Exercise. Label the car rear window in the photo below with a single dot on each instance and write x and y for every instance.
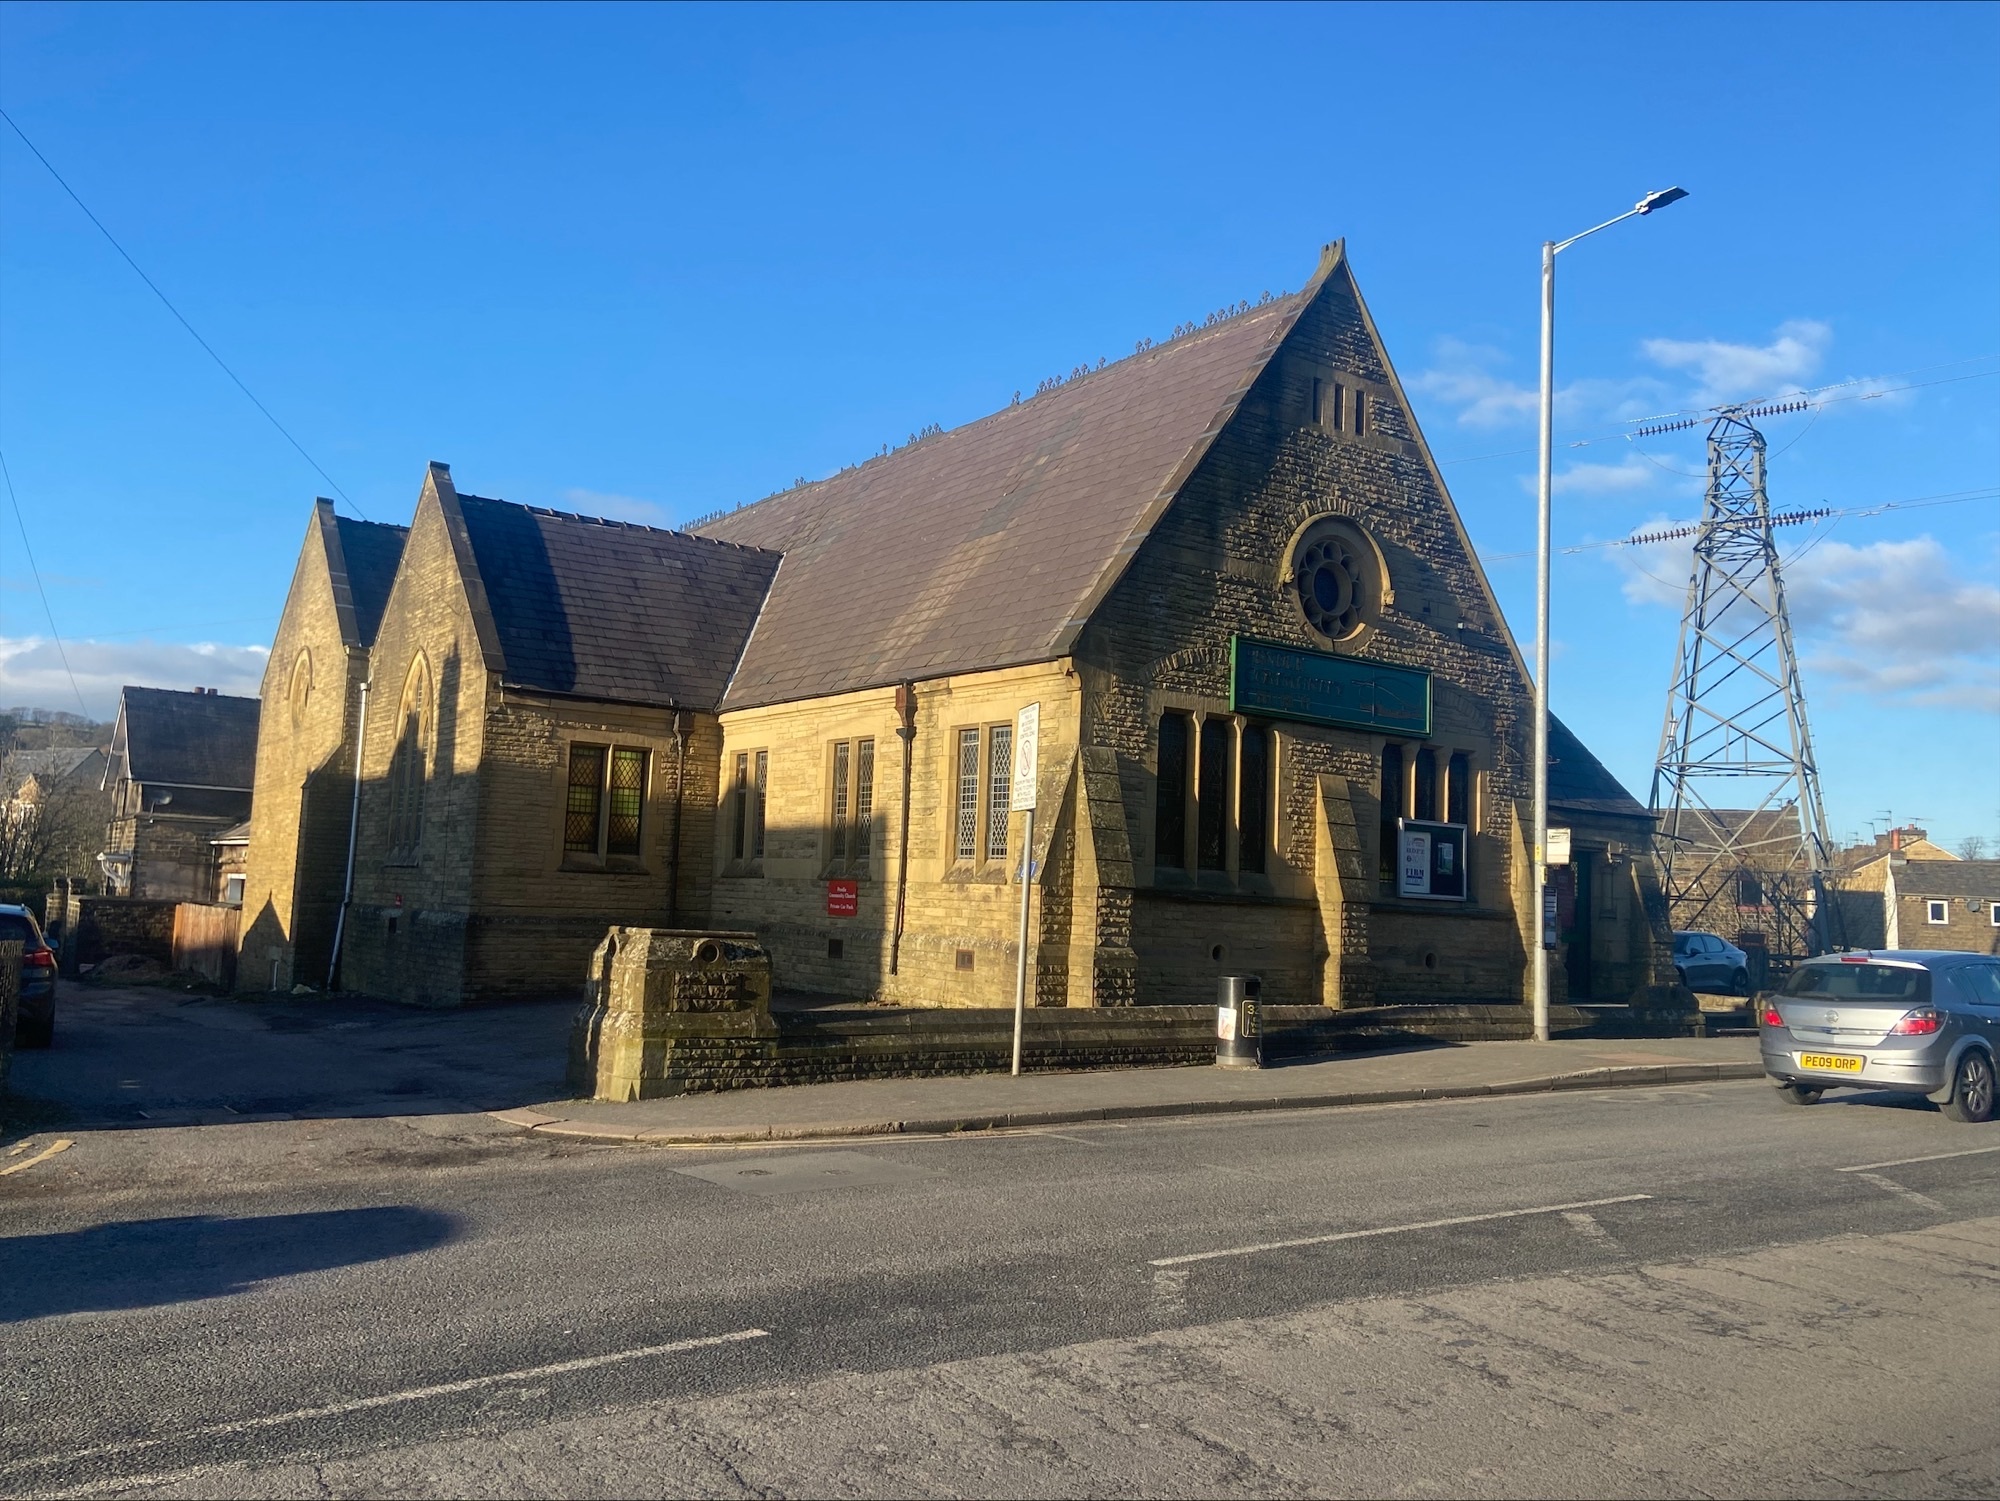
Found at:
(1859, 982)
(15, 928)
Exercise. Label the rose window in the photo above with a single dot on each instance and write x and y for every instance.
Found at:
(1331, 585)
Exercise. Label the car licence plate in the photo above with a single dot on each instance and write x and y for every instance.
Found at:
(1832, 1063)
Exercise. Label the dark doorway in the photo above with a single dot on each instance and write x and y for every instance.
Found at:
(1577, 958)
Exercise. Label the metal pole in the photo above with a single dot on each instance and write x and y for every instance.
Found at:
(1538, 961)
(1021, 972)
(353, 828)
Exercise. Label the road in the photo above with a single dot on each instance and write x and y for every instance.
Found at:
(1644, 1291)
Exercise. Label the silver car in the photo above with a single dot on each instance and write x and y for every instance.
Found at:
(1906, 1019)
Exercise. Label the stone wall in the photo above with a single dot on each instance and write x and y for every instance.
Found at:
(311, 703)
(959, 945)
(538, 911)
(406, 935)
(107, 925)
(1213, 567)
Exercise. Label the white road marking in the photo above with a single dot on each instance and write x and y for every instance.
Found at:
(1925, 1200)
(1586, 1225)
(1169, 1293)
(1459, 1219)
(387, 1399)
(42, 1156)
(1867, 1167)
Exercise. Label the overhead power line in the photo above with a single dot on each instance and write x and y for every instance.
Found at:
(165, 302)
(1673, 530)
(1671, 419)
(33, 568)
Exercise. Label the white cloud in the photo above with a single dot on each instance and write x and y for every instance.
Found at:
(618, 507)
(32, 674)
(1656, 573)
(1891, 622)
(1898, 622)
(1462, 376)
(1731, 372)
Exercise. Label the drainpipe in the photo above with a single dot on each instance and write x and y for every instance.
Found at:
(680, 789)
(906, 710)
(353, 826)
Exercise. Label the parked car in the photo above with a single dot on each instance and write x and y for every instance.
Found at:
(35, 1021)
(1909, 1019)
(1704, 962)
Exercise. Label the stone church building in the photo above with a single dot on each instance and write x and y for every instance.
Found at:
(1270, 673)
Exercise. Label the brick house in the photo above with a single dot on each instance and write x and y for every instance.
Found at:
(295, 865)
(1942, 904)
(1225, 569)
(181, 768)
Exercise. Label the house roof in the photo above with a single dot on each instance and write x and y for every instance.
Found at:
(1579, 781)
(607, 609)
(989, 545)
(52, 763)
(181, 739)
(370, 550)
(236, 833)
(1751, 830)
(1921, 878)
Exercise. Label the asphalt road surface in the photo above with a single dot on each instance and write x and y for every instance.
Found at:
(1644, 1292)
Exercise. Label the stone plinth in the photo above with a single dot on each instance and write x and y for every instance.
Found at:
(654, 993)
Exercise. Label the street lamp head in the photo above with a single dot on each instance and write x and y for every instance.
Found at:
(1659, 200)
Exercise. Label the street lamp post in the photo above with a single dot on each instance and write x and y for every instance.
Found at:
(1539, 961)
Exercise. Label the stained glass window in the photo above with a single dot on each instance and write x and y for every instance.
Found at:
(628, 796)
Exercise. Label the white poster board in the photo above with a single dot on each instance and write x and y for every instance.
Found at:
(1558, 851)
(1414, 868)
(1027, 732)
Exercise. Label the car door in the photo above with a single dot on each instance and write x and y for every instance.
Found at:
(1712, 963)
(1980, 984)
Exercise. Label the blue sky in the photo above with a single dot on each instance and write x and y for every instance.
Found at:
(652, 261)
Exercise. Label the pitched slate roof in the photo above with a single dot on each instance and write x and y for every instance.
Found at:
(989, 545)
(52, 763)
(361, 559)
(188, 739)
(372, 549)
(1922, 878)
(606, 609)
(1579, 781)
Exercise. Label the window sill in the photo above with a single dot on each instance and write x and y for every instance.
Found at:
(585, 865)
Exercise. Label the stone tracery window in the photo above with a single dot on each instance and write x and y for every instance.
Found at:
(1334, 578)
(300, 691)
(409, 765)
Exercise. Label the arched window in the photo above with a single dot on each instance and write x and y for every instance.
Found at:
(301, 688)
(1170, 805)
(1253, 793)
(408, 765)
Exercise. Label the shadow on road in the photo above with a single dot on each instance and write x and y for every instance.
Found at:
(146, 1263)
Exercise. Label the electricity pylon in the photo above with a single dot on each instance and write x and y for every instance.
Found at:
(1742, 833)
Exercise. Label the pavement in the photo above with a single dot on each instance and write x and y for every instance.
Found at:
(140, 1057)
(144, 1056)
(890, 1107)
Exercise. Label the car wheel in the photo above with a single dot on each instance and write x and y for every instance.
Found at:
(1972, 1090)
(1799, 1094)
(39, 1034)
(1739, 983)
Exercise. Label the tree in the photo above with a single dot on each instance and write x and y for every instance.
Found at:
(1972, 847)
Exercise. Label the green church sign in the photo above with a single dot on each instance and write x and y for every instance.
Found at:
(1283, 682)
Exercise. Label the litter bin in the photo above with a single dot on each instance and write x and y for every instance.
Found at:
(1239, 1023)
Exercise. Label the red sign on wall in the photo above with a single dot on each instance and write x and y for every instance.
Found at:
(843, 898)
